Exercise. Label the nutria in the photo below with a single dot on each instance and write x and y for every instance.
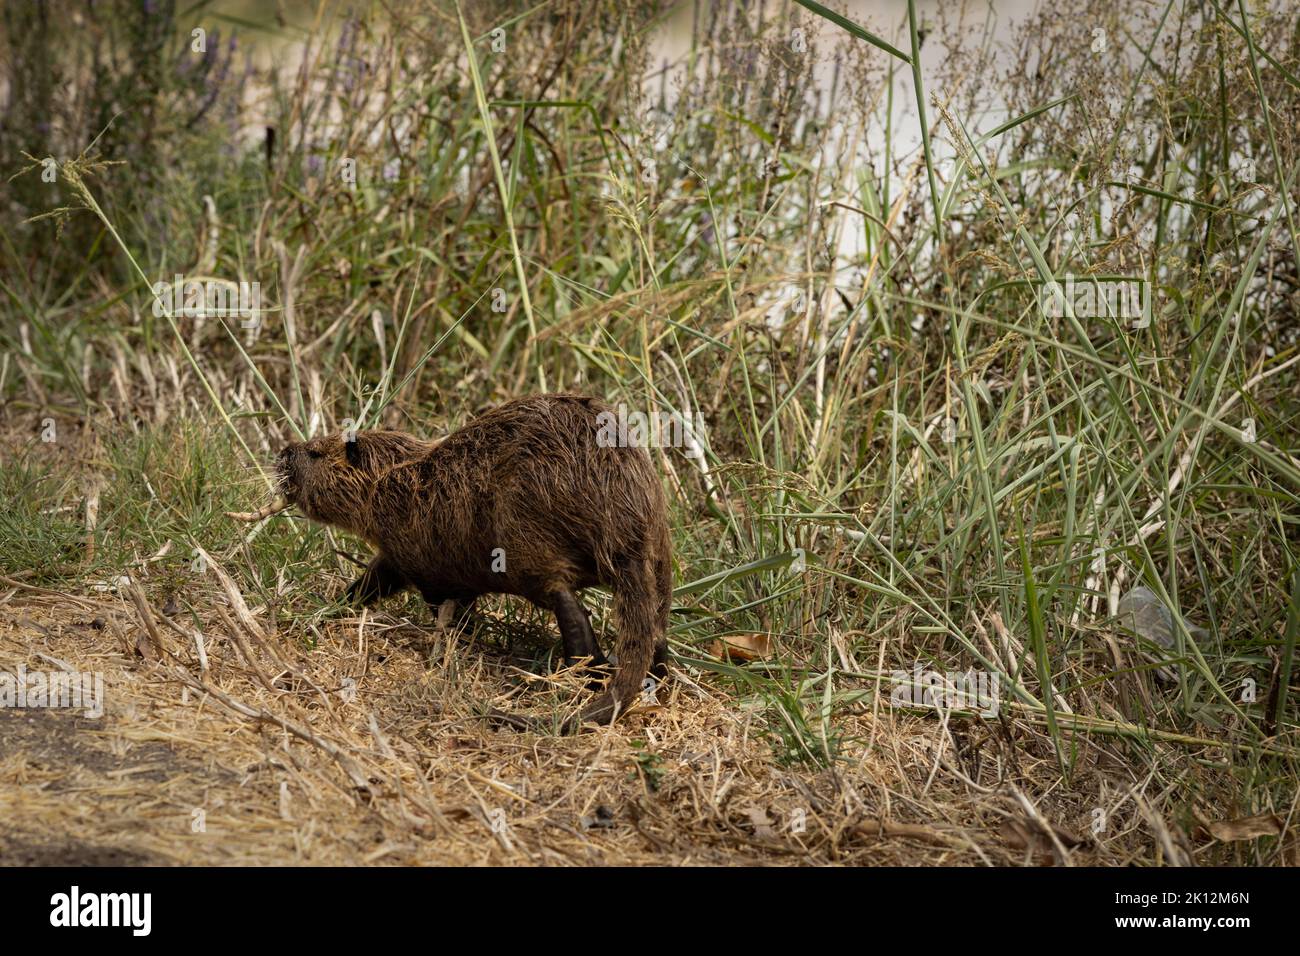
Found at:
(530, 498)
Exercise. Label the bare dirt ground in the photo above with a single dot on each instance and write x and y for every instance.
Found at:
(369, 748)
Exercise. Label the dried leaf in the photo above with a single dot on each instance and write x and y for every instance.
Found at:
(148, 642)
(742, 647)
(1247, 828)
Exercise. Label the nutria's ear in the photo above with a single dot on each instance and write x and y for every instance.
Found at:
(352, 449)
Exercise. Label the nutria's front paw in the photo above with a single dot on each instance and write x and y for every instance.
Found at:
(379, 580)
(355, 594)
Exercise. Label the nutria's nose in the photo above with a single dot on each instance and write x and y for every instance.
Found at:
(284, 461)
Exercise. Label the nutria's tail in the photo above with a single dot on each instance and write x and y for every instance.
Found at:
(643, 592)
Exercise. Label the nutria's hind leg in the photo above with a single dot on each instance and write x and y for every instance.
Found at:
(575, 628)
(379, 580)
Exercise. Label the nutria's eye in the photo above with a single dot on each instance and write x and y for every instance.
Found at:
(313, 453)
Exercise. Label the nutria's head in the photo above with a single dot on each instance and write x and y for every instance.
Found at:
(333, 478)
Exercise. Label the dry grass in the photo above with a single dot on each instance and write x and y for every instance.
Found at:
(287, 766)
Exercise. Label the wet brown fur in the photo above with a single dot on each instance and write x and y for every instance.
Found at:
(529, 478)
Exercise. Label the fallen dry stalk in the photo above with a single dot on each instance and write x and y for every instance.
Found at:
(911, 831)
(266, 511)
(346, 763)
